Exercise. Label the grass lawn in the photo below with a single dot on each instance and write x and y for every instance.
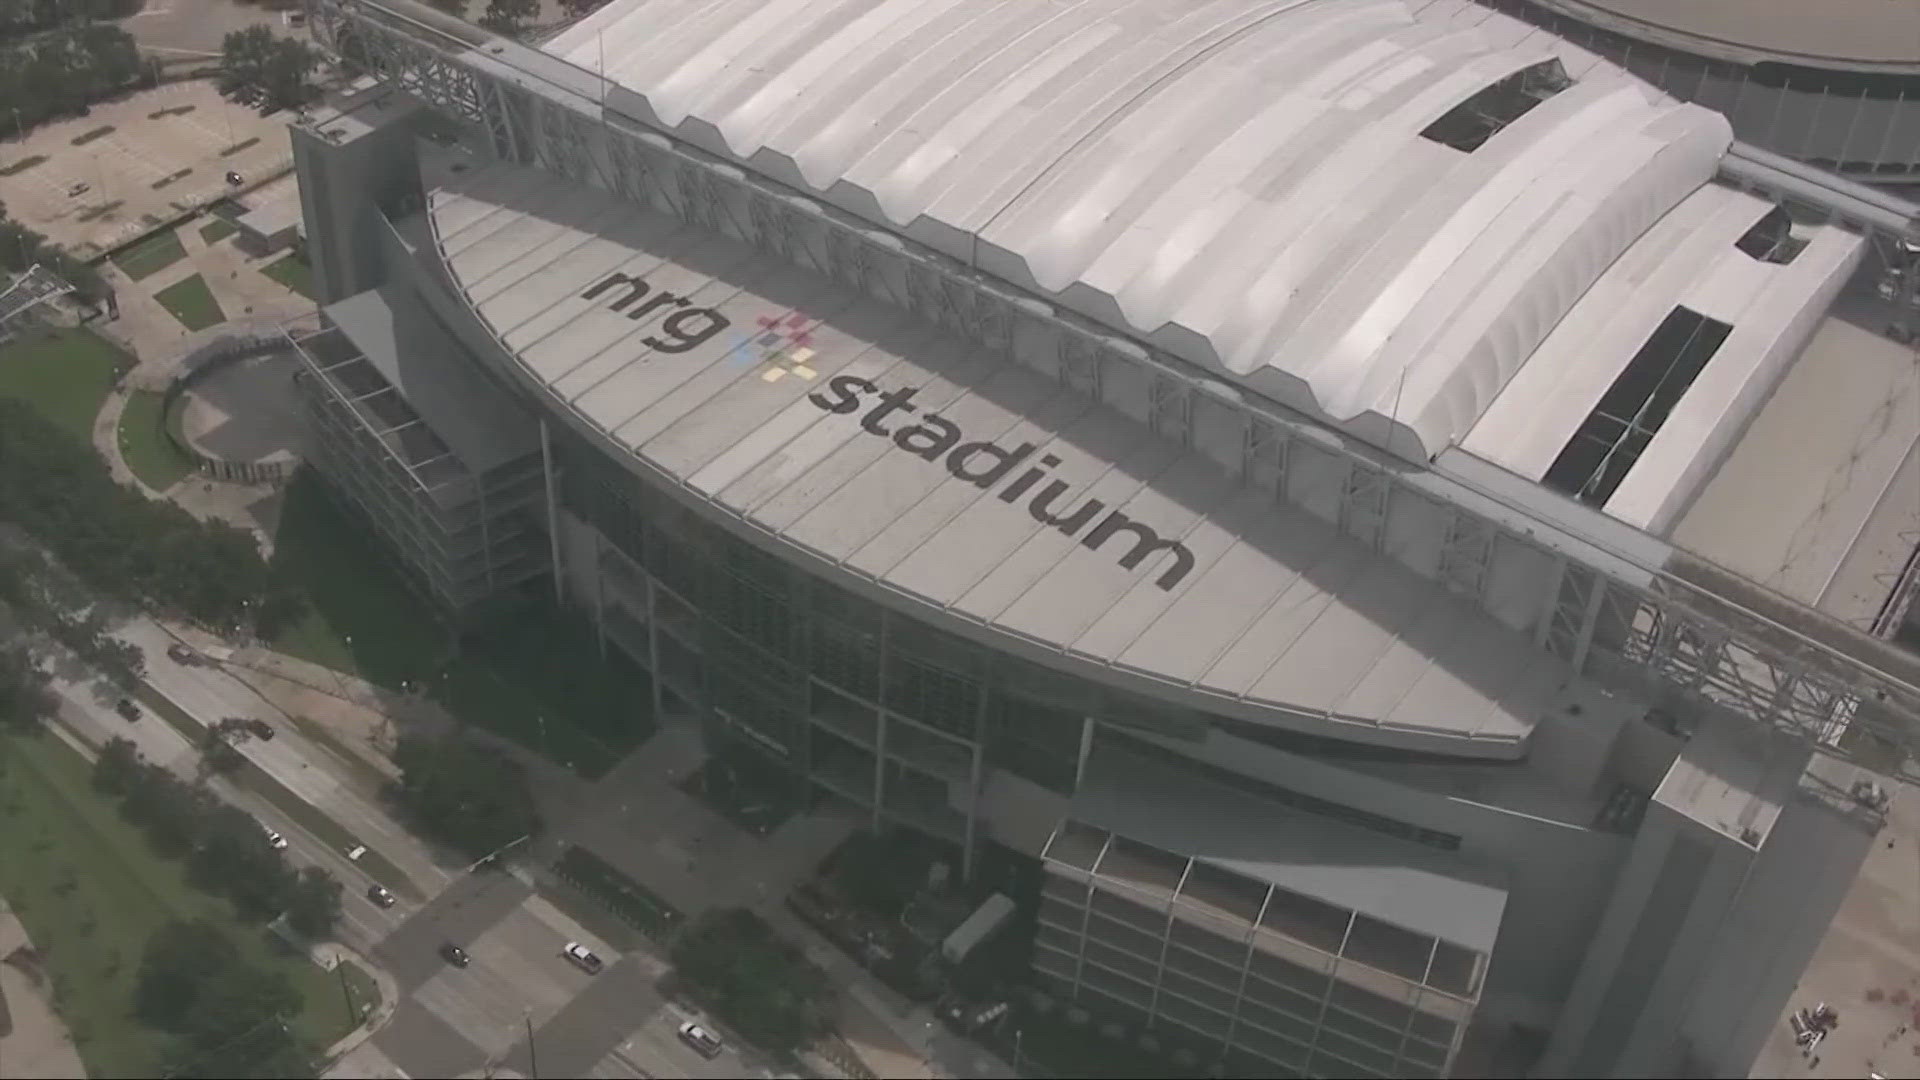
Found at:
(190, 301)
(143, 441)
(150, 256)
(294, 273)
(539, 680)
(360, 618)
(90, 891)
(65, 375)
(217, 230)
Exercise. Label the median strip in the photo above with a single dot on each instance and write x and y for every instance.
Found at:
(303, 813)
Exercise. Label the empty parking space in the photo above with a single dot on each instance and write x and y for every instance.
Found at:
(137, 161)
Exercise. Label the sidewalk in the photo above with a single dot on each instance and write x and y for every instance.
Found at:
(33, 1040)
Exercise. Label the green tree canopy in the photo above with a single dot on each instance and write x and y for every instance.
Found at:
(117, 768)
(180, 959)
(314, 905)
(265, 71)
(26, 699)
(465, 794)
(761, 984)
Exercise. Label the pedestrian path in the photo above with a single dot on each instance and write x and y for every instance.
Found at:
(33, 1039)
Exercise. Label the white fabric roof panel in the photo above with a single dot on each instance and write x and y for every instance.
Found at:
(1689, 259)
(1242, 182)
(1263, 610)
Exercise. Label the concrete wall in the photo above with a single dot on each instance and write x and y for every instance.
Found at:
(343, 181)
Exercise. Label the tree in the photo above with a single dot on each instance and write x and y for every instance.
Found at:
(234, 857)
(230, 1015)
(26, 700)
(314, 905)
(264, 71)
(763, 985)
(122, 546)
(180, 958)
(580, 9)
(117, 768)
(217, 751)
(170, 812)
(465, 794)
(509, 17)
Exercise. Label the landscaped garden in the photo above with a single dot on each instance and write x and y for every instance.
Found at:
(190, 301)
(293, 272)
(150, 256)
(633, 902)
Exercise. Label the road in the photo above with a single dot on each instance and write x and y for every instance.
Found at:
(207, 692)
(449, 1020)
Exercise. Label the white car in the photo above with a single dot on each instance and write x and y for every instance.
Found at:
(584, 957)
(275, 840)
(706, 1042)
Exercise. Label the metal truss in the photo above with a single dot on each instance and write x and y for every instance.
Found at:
(36, 286)
(1680, 643)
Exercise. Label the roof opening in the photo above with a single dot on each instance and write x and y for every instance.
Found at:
(1472, 122)
(1606, 445)
(1771, 238)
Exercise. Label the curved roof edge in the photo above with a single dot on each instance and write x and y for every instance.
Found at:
(1252, 185)
(1872, 36)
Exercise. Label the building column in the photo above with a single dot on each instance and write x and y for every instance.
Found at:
(600, 600)
(1086, 750)
(553, 515)
(653, 648)
(879, 764)
(974, 781)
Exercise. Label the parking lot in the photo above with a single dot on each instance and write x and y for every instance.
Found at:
(141, 160)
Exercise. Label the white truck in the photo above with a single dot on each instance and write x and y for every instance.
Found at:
(993, 913)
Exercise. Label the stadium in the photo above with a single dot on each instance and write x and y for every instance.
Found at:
(1835, 84)
(1410, 524)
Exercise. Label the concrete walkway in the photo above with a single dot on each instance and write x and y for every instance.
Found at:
(33, 1039)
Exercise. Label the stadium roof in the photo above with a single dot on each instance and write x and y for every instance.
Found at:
(782, 400)
(1366, 211)
(1816, 33)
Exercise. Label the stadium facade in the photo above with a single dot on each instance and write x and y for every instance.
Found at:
(1281, 462)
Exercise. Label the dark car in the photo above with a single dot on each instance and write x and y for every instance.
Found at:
(125, 707)
(259, 729)
(233, 177)
(455, 955)
(381, 897)
(180, 654)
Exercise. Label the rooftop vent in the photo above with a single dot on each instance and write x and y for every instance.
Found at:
(1771, 239)
(1472, 122)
